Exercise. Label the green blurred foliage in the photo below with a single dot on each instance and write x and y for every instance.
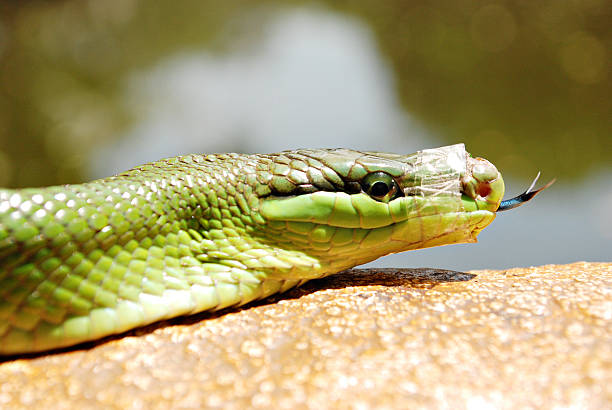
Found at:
(526, 84)
(62, 66)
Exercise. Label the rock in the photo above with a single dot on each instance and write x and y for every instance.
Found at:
(536, 337)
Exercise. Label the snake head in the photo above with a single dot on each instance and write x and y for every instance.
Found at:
(349, 207)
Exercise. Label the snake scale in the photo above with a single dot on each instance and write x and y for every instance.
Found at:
(202, 232)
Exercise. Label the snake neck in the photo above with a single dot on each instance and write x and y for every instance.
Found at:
(214, 211)
(214, 208)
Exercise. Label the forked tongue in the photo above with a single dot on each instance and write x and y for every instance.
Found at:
(524, 197)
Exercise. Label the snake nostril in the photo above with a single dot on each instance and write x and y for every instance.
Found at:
(483, 189)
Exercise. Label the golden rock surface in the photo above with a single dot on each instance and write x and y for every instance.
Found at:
(402, 338)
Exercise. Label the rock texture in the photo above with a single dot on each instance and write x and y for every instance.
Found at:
(536, 337)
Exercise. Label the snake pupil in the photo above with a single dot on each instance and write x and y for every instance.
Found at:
(379, 189)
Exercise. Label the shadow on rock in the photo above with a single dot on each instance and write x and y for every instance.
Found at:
(418, 277)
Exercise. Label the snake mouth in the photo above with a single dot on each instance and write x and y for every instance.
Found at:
(482, 186)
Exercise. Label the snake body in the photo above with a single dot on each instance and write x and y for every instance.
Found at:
(202, 232)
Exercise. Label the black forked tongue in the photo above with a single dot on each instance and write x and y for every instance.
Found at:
(524, 197)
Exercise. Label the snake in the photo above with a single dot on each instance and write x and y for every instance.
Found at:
(196, 232)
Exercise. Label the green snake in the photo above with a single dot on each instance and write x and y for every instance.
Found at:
(204, 232)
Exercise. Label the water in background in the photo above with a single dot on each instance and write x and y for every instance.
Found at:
(312, 79)
(303, 77)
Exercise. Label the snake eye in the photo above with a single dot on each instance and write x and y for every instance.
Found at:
(380, 186)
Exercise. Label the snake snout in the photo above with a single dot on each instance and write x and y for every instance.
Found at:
(483, 183)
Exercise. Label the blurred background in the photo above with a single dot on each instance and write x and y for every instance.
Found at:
(91, 88)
